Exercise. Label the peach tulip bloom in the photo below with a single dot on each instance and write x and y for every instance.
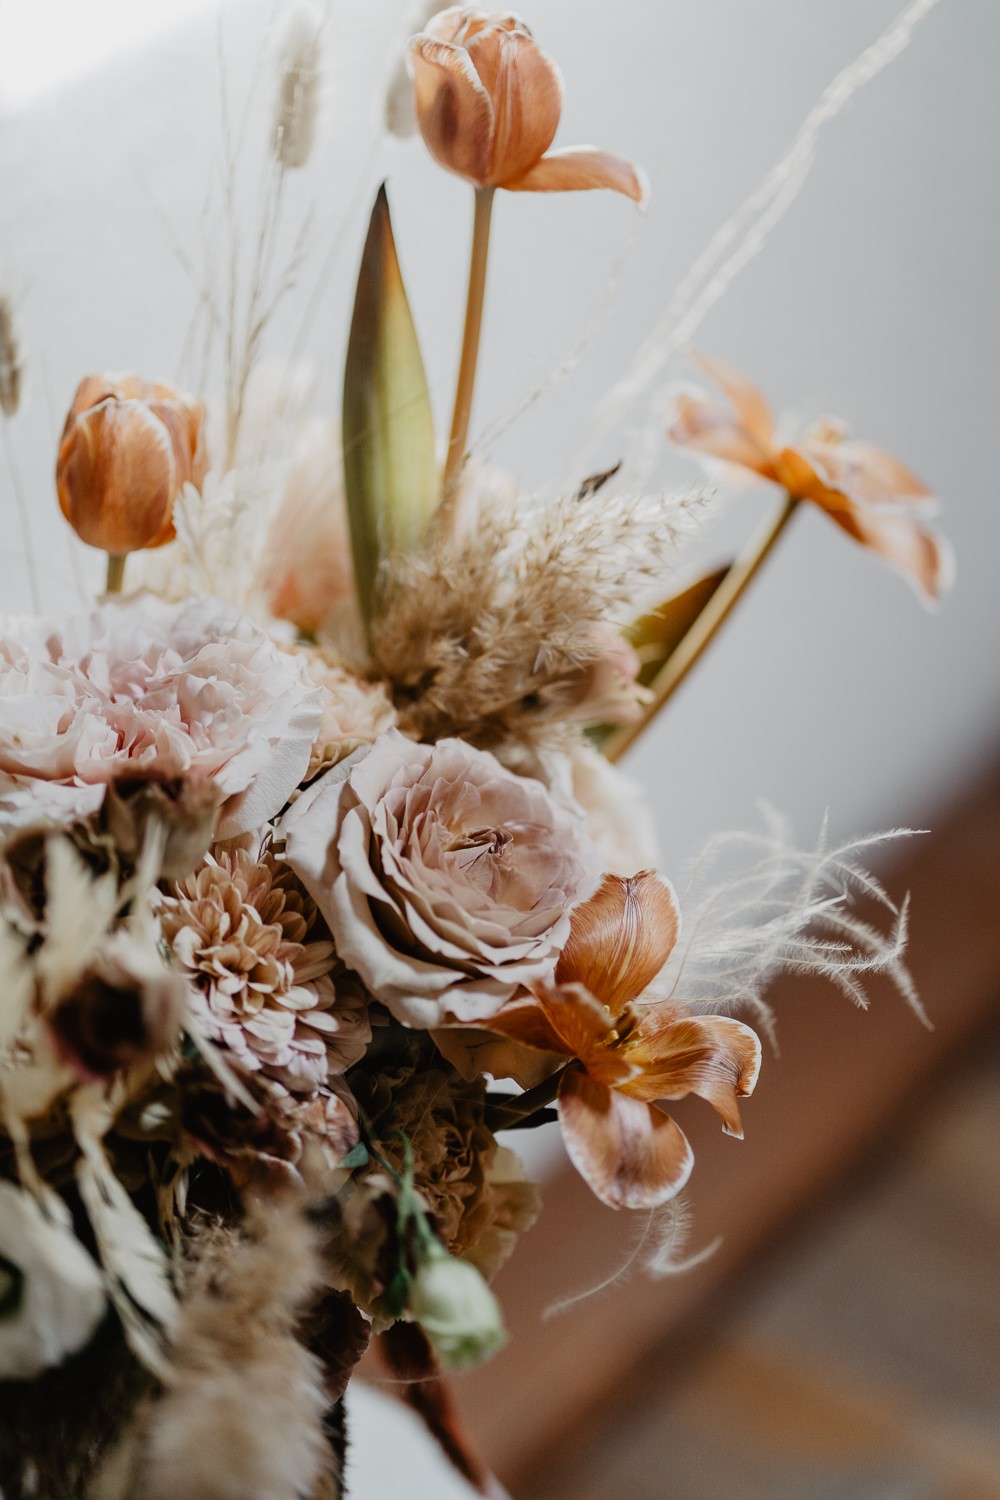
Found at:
(628, 1055)
(867, 492)
(488, 101)
(128, 448)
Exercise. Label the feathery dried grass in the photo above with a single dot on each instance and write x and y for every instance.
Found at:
(11, 359)
(300, 71)
(490, 635)
(242, 1415)
(780, 908)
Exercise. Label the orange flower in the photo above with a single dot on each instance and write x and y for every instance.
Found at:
(128, 448)
(629, 1058)
(867, 492)
(488, 102)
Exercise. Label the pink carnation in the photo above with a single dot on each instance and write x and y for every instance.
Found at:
(189, 690)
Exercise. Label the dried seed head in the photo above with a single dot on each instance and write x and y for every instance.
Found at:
(300, 56)
(11, 359)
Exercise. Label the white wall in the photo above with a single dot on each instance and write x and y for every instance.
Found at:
(876, 299)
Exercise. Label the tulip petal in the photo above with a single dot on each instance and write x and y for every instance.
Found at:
(585, 1030)
(714, 1057)
(744, 397)
(117, 476)
(525, 1022)
(695, 420)
(865, 491)
(526, 91)
(629, 1153)
(621, 938)
(453, 108)
(579, 168)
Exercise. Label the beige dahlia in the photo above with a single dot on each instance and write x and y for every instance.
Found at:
(241, 928)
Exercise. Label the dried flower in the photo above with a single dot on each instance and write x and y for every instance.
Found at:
(488, 102)
(299, 78)
(864, 490)
(306, 572)
(11, 359)
(181, 813)
(125, 1009)
(355, 712)
(241, 929)
(630, 1055)
(456, 1310)
(51, 1292)
(128, 448)
(447, 881)
(191, 691)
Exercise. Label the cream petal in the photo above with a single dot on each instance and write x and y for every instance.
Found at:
(629, 1153)
(579, 168)
(453, 109)
(621, 938)
(917, 551)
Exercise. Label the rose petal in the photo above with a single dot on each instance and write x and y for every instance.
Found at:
(621, 938)
(712, 1056)
(630, 1154)
(579, 168)
(453, 108)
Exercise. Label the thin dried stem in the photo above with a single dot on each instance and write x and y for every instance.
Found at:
(470, 338)
(22, 516)
(705, 627)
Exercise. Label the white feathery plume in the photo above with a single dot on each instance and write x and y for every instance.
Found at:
(300, 76)
(746, 232)
(778, 908)
(11, 358)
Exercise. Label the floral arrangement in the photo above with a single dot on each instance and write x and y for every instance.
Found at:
(318, 881)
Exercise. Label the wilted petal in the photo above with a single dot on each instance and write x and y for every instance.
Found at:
(475, 1052)
(453, 108)
(577, 168)
(865, 491)
(694, 420)
(621, 938)
(585, 1030)
(745, 398)
(630, 1154)
(712, 1056)
(526, 91)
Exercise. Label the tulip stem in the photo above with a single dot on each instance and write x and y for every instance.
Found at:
(519, 1108)
(705, 627)
(470, 339)
(116, 572)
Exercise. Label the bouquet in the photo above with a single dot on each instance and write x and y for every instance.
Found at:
(318, 881)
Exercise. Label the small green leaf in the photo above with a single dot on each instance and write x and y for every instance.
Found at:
(356, 1157)
(390, 464)
(656, 636)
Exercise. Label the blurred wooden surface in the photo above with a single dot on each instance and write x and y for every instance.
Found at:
(861, 1364)
(842, 1082)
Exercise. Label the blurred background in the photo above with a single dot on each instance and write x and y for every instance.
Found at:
(845, 1338)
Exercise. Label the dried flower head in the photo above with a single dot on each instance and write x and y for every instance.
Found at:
(447, 881)
(305, 569)
(128, 448)
(864, 490)
(355, 712)
(11, 358)
(299, 57)
(190, 691)
(241, 929)
(488, 102)
(501, 634)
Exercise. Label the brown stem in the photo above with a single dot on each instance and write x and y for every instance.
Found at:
(705, 627)
(116, 573)
(470, 338)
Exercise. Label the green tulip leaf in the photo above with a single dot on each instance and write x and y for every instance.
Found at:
(390, 463)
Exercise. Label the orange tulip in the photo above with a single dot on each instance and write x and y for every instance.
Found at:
(867, 492)
(128, 448)
(629, 1056)
(488, 102)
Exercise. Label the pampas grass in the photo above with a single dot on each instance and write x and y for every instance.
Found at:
(242, 1414)
(490, 634)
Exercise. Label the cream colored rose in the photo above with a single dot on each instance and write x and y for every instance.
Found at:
(446, 880)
